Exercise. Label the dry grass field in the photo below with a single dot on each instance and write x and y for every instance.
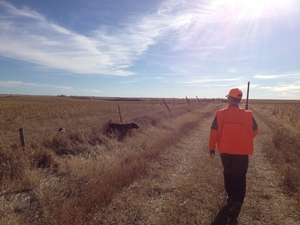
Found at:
(284, 144)
(158, 174)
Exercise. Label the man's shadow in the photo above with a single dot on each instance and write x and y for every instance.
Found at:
(222, 216)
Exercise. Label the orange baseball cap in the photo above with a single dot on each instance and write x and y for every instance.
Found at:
(235, 93)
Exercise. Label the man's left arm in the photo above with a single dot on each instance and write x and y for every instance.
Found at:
(213, 137)
(254, 127)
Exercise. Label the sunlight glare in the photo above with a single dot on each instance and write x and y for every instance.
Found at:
(260, 3)
(257, 8)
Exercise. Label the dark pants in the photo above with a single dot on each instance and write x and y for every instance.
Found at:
(235, 170)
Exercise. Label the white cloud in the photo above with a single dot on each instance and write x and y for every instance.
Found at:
(10, 83)
(276, 76)
(189, 26)
(14, 84)
(30, 37)
(129, 81)
(93, 91)
(233, 70)
(25, 12)
(283, 87)
(210, 80)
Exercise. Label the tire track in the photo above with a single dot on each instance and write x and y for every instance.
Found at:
(185, 186)
(178, 189)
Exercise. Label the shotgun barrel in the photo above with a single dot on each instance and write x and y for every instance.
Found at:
(247, 95)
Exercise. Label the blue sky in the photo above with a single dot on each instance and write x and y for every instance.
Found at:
(157, 48)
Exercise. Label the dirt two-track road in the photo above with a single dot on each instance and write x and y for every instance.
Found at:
(185, 186)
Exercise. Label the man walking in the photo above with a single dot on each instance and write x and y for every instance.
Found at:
(232, 132)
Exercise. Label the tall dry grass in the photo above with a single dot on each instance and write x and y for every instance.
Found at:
(283, 146)
(65, 178)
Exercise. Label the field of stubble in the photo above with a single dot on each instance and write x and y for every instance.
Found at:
(158, 174)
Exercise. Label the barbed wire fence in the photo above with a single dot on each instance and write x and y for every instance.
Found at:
(34, 127)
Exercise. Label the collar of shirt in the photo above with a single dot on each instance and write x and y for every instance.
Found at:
(233, 106)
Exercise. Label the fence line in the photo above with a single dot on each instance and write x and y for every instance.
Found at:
(22, 137)
(86, 122)
(166, 105)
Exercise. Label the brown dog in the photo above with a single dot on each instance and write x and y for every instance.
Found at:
(120, 130)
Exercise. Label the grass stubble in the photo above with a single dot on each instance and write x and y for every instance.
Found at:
(68, 178)
(282, 145)
(65, 178)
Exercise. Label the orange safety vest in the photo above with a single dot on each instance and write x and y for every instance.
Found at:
(235, 131)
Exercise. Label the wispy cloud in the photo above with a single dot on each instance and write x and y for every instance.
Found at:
(129, 81)
(209, 80)
(284, 87)
(30, 37)
(233, 70)
(13, 84)
(211, 25)
(282, 90)
(96, 91)
(193, 28)
(277, 76)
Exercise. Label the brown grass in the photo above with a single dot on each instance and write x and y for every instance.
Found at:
(65, 178)
(283, 147)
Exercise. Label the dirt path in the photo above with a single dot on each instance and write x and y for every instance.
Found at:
(185, 186)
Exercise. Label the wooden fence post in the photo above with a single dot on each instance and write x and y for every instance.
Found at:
(120, 114)
(22, 138)
(198, 99)
(187, 100)
(166, 105)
